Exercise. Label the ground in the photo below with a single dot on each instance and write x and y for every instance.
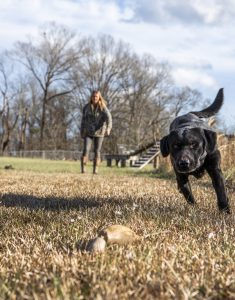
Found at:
(46, 215)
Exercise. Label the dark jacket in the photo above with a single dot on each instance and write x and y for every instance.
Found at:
(95, 122)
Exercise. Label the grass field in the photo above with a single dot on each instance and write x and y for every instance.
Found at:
(48, 210)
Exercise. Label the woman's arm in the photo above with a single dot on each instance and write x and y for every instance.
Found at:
(109, 121)
(82, 129)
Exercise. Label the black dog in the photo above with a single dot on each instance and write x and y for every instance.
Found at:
(192, 146)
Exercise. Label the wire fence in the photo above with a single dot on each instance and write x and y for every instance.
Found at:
(50, 154)
(47, 154)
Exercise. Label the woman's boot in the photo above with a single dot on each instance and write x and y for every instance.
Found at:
(96, 163)
(83, 164)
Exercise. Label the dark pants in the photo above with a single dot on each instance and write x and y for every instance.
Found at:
(97, 145)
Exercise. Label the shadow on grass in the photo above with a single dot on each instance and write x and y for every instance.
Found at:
(48, 203)
(83, 203)
(154, 174)
(128, 206)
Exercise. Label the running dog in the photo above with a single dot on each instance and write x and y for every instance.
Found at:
(193, 150)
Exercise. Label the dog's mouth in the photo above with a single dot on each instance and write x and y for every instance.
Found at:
(186, 168)
(186, 171)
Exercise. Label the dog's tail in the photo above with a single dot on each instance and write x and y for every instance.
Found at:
(213, 108)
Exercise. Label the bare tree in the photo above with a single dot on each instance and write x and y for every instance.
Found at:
(7, 116)
(146, 85)
(49, 61)
(183, 100)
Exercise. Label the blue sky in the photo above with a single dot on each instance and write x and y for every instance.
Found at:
(196, 37)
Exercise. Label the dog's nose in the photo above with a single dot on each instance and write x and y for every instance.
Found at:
(184, 163)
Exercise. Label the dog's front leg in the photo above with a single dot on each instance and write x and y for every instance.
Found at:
(185, 188)
(219, 186)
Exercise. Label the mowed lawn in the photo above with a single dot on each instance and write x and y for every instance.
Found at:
(49, 210)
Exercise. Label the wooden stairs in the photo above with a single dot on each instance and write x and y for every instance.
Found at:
(147, 157)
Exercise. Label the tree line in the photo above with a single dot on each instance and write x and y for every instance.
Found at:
(45, 82)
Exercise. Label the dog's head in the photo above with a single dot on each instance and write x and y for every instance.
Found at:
(188, 144)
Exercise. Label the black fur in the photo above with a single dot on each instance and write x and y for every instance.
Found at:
(192, 147)
(213, 108)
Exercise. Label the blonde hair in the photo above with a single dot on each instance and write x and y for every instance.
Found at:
(101, 103)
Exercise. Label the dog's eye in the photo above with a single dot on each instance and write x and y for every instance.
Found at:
(193, 145)
(176, 146)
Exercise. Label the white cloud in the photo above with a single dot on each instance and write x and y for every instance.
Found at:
(186, 12)
(193, 77)
(210, 10)
(19, 18)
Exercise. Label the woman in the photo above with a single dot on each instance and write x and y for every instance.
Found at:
(96, 123)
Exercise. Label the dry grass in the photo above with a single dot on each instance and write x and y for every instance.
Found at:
(185, 252)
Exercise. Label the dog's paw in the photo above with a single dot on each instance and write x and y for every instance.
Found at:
(225, 210)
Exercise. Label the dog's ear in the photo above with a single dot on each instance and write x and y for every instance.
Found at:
(211, 138)
(164, 146)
